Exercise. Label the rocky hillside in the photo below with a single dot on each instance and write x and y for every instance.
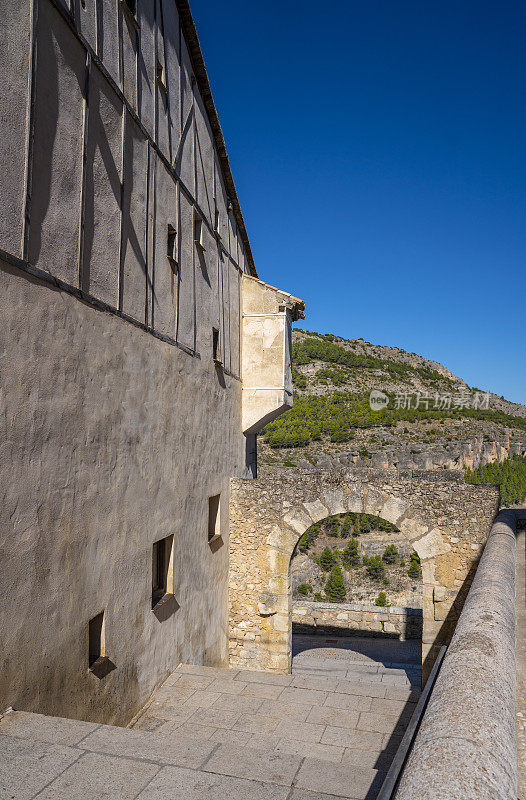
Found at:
(429, 419)
(380, 558)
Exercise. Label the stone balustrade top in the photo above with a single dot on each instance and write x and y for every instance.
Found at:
(466, 746)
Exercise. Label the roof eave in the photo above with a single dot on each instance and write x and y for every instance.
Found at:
(198, 64)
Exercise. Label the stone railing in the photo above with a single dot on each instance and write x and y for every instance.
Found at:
(329, 618)
(466, 746)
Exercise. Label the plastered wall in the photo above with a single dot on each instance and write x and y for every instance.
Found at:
(110, 440)
(116, 425)
(106, 142)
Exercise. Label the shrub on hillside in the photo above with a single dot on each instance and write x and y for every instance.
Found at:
(304, 588)
(374, 566)
(381, 600)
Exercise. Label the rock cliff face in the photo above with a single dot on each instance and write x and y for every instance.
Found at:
(422, 442)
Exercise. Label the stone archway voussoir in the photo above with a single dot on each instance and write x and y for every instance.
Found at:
(316, 510)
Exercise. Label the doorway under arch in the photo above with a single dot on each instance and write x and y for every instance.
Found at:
(446, 521)
(356, 595)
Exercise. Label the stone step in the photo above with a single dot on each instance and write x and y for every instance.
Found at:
(57, 758)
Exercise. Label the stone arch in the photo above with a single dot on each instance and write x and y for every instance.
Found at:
(446, 521)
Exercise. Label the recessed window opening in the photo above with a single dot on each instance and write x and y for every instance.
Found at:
(198, 232)
(160, 76)
(216, 222)
(162, 569)
(214, 523)
(171, 245)
(130, 5)
(216, 346)
(96, 638)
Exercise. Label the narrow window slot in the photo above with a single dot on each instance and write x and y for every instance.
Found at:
(214, 521)
(162, 570)
(96, 638)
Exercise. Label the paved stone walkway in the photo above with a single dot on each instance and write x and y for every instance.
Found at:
(520, 578)
(327, 731)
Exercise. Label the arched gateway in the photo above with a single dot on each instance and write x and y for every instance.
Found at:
(446, 520)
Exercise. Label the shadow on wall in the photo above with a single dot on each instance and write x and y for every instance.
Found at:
(448, 626)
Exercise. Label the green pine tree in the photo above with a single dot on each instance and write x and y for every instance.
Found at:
(382, 600)
(335, 586)
(351, 554)
(390, 554)
(375, 567)
(327, 559)
(414, 565)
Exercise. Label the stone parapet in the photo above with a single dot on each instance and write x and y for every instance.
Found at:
(355, 618)
(466, 746)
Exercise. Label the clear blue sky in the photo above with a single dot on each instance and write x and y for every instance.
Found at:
(378, 149)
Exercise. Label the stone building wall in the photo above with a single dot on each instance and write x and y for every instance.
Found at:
(122, 254)
(357, 618)
(446, 520)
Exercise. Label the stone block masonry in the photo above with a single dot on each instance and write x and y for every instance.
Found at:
(396, 621)
(446, 521)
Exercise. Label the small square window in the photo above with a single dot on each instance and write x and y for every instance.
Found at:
(162, 570)
(96, 638)
(171, 245)
(214, 521)
(216, 346)
(198, 232)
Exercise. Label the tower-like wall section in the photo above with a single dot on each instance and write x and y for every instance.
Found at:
(117, 425)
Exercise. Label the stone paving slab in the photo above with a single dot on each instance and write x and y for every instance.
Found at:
(342, 780)
(26, 767)
(173, 783)
(304, 794)
(311, 749)
(256, 724)
(257, 765)
(349, 701)
(300, 731)
(255, 676)
(143, 745)
(338, 717)
(45, 729)
(353, 739)
(295, 712)
(100, 776)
